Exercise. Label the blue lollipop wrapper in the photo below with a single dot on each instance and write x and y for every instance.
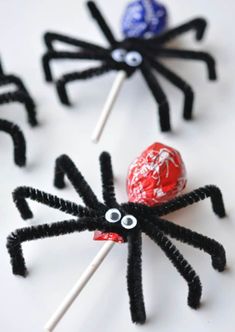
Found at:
(144, 19)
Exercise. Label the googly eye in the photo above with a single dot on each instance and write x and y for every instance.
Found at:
(129, 221)
(113, 215)
(118, 54)
(133, 59)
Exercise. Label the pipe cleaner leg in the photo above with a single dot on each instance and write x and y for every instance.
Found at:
(59, 55)
(65, 166)
(182, 266)
(96, 14)
(210, 246)
(198, 24)
(18, 141)
(107, 179)
(191, 55)
(134, 279)
(51, 37)
(12, 79)
(159, 95)
(193, 197)
(21, 235)
(181, 84)
(24, 95)
(20, 195)
(23, 98)
(82, 75)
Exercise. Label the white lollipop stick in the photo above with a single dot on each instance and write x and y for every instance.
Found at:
(78, 287)
(121, 76)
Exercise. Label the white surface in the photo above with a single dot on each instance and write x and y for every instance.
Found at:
(207, 146)
(79, 286)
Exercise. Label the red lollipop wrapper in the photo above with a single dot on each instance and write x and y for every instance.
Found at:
(100, 236)
(156, 176)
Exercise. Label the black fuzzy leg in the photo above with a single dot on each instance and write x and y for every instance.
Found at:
(96, 14)
(23, 98)
(193, 197)
(210, 246)
(179, 83)
(20, 195)
(197, 24)
(82, 75)
(134, 279)
(1, 68)
(65, 166)
(107, 179)
(51, 37)
(191, 55)
(52, 55)
(182, 266)
(160, 97)
(12, 79)
(18, 141)
(21, 235)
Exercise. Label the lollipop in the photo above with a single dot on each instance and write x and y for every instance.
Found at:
(144, 19)
(159, 169)
(130, 56)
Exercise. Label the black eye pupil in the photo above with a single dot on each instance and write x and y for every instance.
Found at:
(128, 221)
(114, 216)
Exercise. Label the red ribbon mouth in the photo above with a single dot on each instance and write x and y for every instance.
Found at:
(100, 236)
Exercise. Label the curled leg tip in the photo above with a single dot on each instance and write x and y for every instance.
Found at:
(62, 93)
(27, 215)
(195, 292)
(21, 163)
(59, 185)
(22, 272)
(194, 303)
(219, 263)
(139, 318)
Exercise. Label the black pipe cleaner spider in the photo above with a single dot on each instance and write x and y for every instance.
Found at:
(130, 55)
(22, 96)
(128, 220)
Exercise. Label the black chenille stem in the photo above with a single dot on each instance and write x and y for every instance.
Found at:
(61, 84)
(21, 235)
(64, 55)
(20, 195)
(195, 196)
(134, 278)
(99, 18)
(179, 83)
(182, 234)
(189, 55)
(181, 265)
(159, 96)
(64, 166)
(107, 180)
(18, 139)
(51, 37)
(23, 98)
(198, 25)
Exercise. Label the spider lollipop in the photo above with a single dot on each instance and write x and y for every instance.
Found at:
(154, 180)
(127, 57)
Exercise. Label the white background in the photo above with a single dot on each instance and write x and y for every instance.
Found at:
(206, 144)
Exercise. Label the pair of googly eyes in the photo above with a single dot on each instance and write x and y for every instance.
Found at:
(132, 59)
(114, 215)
